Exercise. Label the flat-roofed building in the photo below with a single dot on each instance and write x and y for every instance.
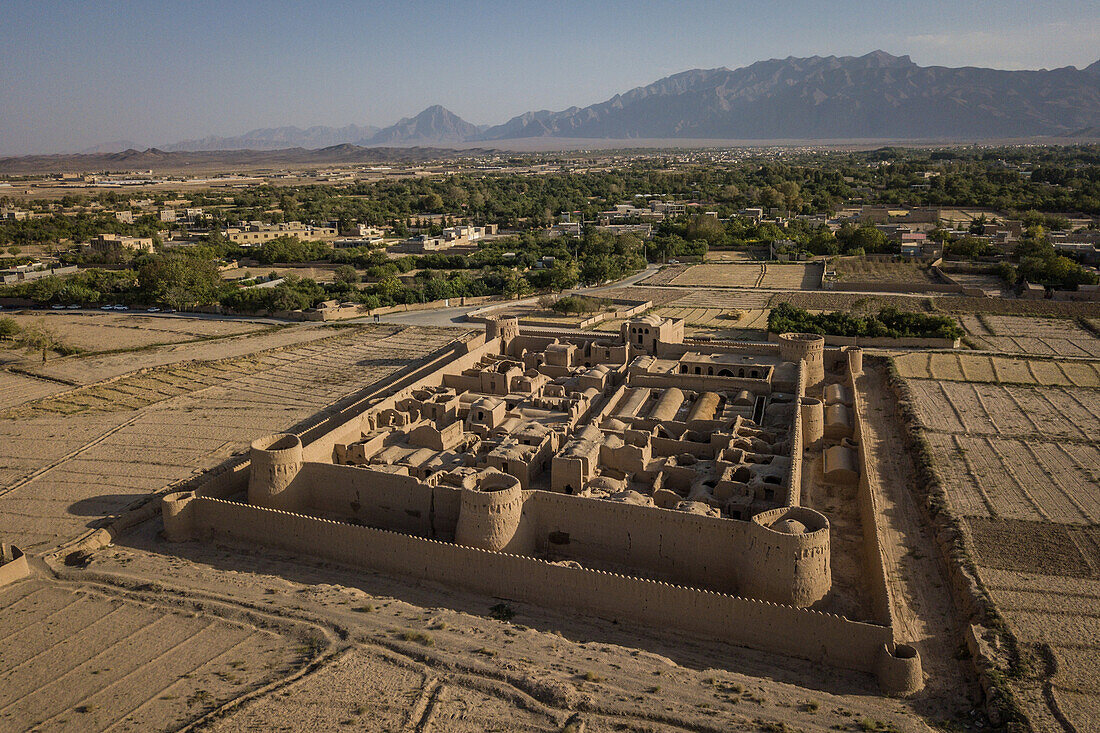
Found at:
(101, 243)
(254, 234)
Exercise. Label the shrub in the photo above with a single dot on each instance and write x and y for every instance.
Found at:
(578, 304)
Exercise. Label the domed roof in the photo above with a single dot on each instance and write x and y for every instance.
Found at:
(789, 526)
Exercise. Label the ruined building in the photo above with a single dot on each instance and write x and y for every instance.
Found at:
(646, 477)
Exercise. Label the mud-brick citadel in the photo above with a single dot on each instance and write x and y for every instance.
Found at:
(644, 478)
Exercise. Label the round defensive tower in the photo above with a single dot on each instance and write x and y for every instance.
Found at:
(788, 557)
(489, 515)
(813, 421)
(899, 669)
(855, 359)
(276, 460)
(808, 348)
(505, 328)
(176, 511)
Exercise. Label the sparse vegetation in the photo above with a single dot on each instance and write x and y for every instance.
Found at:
(417, 636)
(502, 612)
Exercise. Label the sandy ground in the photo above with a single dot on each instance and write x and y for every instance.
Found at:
(416, 656)
(924, 614)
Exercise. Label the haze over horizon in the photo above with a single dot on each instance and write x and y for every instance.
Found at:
(90, 74)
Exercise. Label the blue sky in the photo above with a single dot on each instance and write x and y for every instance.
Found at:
(74, 74)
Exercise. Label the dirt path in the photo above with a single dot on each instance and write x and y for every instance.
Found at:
(924, 614)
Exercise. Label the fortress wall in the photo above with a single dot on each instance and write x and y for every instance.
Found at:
(375, 498)
(869, 510)
(819, 637)
(793, 484)
(221, 484)
(705, 552)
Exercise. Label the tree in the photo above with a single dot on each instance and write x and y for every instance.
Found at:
(39, 338)
(9, 329)
(346, 274)
(562, 275)
(705, 227)
(186, 279)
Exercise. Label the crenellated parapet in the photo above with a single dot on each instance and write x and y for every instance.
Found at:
(505, 328)
(808, 348)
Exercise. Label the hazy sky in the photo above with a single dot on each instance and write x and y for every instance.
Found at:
(74, 74)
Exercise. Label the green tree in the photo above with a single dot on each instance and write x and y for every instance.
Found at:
(39, 338)
(9, 329)
(705, 227)
(180, 280)
(346, 274)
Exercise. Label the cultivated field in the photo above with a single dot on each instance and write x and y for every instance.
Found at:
(1019, 462)
(18, 388)
(70, 459)
(990, 284)
(88, 368)
(717, 317)
(963, 367)
(793, 276)
(1007, 410)
(666, 275)
(1035, 336)
(735, 255)
(856, 302)
(721, 299)
(89, 660)
(109, 331)
(320, 273)
(882, 270)
(1029, 479)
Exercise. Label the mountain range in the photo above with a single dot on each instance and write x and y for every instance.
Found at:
(876, 96)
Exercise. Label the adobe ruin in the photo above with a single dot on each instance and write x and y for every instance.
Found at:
(646, 477)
